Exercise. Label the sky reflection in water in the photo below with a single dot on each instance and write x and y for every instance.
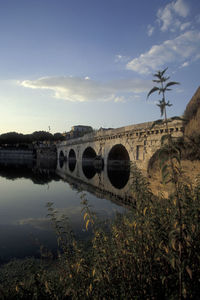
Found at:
(23, 213)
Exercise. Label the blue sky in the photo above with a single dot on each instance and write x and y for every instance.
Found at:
(70, 62)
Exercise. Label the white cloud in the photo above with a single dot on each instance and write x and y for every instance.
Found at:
(120, 99)
(118, 57)
(168, 17)
(150, 30)
(181, 8)
(184, 26)
(77, 89)
(164, 17)
(121, 58)
(184, 47)
(185, 64)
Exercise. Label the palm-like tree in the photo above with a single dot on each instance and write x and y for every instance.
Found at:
(164, 86)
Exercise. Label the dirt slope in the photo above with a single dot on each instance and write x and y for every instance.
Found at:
(192, 116)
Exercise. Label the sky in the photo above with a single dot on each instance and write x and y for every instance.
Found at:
(91, 62)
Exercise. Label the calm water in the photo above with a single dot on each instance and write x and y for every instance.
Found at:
(26, 188)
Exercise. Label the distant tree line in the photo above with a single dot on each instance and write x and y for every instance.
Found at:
(13, 138)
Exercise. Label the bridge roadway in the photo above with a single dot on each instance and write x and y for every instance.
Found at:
(136, 143)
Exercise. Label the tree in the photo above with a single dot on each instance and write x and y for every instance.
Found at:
(58, 137)
(162, 89)
(42, 136)
(169, 152)
(10, 138)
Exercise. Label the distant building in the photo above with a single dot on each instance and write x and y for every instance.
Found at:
(102, 129)
(78, 131)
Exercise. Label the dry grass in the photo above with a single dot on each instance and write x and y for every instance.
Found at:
(190, 170)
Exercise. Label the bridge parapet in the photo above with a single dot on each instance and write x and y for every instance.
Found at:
(138, 130)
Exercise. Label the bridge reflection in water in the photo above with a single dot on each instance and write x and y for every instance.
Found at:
(111, 181)
(28, 184)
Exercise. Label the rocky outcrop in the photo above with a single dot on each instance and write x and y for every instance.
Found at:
(192, 116)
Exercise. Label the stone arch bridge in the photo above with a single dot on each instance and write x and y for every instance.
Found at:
(136, 143)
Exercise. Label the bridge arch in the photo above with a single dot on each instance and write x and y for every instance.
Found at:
(118, 153)
(61, 155)
(61, 159)
(153, 161)
(72, 160)
(118, 166)
(88, 154)
(88, 158)
(72, 154)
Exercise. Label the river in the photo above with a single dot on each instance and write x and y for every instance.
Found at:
(26, 188)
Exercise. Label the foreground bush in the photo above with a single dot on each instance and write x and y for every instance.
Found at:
(149, 253)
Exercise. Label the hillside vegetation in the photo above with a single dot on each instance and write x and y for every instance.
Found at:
(189, 146)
